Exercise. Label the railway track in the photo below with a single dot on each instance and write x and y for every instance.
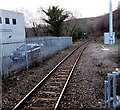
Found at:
(47, 94)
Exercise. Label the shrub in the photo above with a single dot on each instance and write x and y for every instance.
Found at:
(118, 35)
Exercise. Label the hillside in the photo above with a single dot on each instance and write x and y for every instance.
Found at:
(97, 25)
(93, 26)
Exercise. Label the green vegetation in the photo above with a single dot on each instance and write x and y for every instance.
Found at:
(59, 24)
(5, 56)
(77, 33)
(118, 34)
(55, 20)
(99, 43)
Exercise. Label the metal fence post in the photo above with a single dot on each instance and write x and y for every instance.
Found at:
(26, 55)
(40, 54)
(105, 93)
(114, 91)
(109, 90)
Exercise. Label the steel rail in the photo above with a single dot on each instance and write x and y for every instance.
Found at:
(56, 106)
(20, 103)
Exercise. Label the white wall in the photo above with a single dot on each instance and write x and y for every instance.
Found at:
(17, 32)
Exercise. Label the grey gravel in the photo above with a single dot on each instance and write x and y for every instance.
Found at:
(85, 89)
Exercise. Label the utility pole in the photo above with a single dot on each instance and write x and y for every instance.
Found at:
(111, 36)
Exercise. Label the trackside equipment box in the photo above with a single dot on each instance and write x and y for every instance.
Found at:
(107, 39)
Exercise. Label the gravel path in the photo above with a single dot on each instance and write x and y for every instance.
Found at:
(85, 89)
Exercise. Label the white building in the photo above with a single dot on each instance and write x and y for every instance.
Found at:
(12, 26)
(12, 29)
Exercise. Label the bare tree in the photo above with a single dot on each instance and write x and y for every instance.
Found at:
(28, 16)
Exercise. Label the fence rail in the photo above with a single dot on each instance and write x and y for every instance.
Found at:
(19, 55)
(110, 93)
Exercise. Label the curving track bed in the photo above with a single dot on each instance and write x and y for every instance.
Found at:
(47, 94)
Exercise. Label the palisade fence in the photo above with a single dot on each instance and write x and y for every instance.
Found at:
(47, 47)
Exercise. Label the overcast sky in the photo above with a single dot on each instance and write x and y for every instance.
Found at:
(85, 8)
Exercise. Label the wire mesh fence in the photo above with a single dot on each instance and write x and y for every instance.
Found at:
(16, 56)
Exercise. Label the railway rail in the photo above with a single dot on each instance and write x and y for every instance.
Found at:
(47, 94)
